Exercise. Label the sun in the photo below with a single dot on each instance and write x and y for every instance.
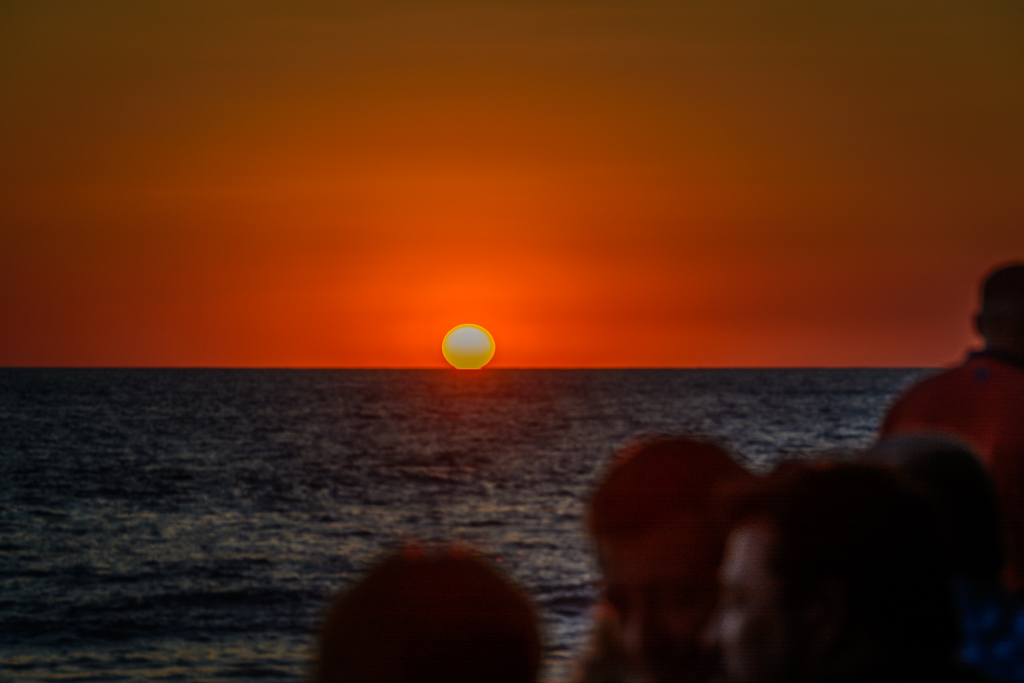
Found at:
(468, 347)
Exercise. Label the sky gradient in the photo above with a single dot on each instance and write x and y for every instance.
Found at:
(599, 184)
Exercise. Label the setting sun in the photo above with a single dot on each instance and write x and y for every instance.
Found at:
(468, 347)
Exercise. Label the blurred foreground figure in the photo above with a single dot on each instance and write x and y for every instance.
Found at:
(659, 541)
(835, 574)
(982, 402)
(448, 618)
(950, 473)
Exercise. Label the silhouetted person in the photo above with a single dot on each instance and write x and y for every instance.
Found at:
(982, 402)
(835, 573)
(659, 541)
(447, 618)
(951, 474)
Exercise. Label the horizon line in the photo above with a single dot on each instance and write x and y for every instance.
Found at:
(451, 369)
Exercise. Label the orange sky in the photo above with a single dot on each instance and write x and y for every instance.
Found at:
(599, 184)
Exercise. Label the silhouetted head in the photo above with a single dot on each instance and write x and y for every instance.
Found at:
(830, 572)
(659, 539)
(1001, 320)
(951, 474)
(430, 619)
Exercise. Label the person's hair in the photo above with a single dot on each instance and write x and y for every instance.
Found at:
(1005, 284)
(444, 618)
(862, 527)
(657, 480)
(952, 476)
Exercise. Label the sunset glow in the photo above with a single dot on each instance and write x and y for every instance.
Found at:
(613, 184)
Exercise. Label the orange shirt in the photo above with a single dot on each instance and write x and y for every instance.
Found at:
(981, 402)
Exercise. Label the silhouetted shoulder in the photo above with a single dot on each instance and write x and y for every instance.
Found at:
(983, 395)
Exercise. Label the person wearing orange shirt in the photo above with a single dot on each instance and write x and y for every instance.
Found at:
(982, 402)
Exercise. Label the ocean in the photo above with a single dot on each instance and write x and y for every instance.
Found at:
(194, 524)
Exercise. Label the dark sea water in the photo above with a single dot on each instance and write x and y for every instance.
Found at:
(193, 524)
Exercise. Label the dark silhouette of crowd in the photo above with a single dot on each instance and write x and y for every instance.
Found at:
(903, 563)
